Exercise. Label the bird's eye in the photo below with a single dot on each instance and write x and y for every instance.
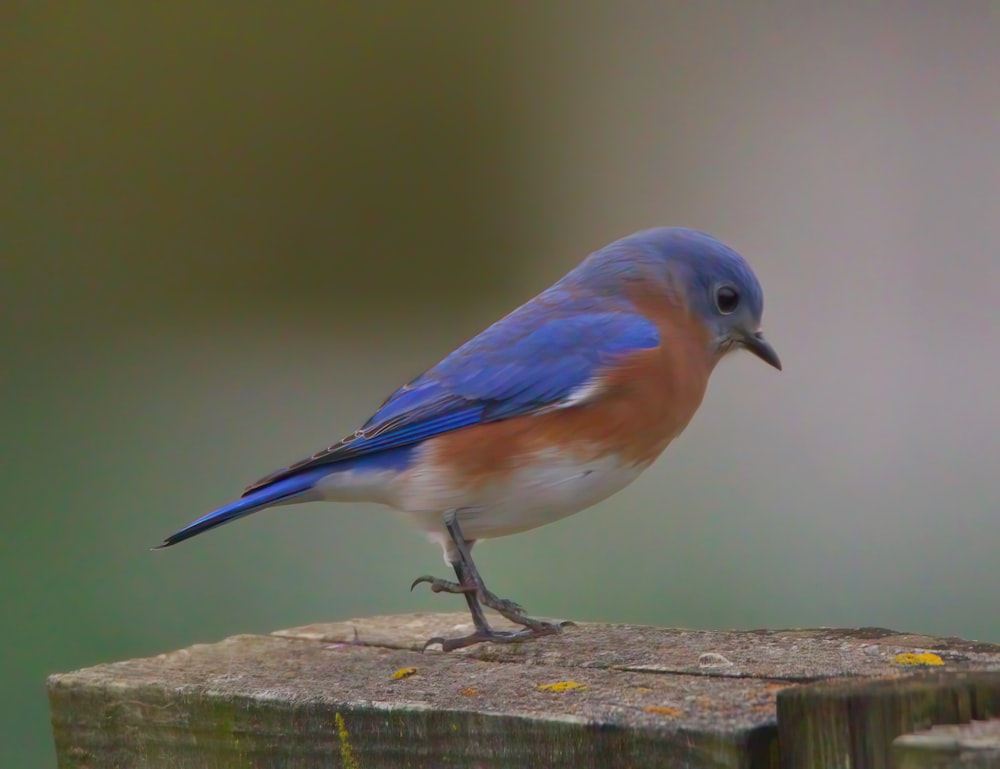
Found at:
(727, 299)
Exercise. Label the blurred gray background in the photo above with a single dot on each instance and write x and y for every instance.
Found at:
(227, 232)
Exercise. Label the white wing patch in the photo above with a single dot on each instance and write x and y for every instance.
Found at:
(588, 391)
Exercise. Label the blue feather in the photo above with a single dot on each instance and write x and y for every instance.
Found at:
(530, 360)
(286, 490)
(295, 487)
(533, 359)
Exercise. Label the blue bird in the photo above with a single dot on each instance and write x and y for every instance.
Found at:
(555, 407)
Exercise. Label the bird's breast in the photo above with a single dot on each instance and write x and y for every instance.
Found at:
(537, 468)
(518, 473)
(516, 492)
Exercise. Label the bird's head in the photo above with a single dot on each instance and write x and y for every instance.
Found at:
(710, 279)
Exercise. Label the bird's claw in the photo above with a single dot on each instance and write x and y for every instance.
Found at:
(435, 640)
(534, 630)
(439, 585)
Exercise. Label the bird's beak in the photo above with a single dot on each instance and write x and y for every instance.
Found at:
(759, 346)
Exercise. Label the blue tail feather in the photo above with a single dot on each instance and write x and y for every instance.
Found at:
(281, 492)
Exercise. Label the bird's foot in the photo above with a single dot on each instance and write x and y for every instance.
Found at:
(534, 630)
(502, 606)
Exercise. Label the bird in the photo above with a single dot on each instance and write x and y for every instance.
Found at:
(550, 410)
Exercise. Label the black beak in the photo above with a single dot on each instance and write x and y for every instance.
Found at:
(759, 346)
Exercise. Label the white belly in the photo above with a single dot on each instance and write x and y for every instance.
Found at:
(549, 487)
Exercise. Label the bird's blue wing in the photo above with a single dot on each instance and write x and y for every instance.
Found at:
(533, 359)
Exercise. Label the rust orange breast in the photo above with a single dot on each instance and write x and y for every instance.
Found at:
(645, 401)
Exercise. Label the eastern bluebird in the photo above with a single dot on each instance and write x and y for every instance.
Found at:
(545, 413)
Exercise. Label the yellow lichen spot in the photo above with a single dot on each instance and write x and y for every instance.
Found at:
(662, 710)
(643, 688)
(347, 759)
(403, 673)
(468, 692)
(561, 686)
(925, 658)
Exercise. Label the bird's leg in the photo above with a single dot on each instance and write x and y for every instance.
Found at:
(468, 575)
(475, 609)
(468, 585)
(471, 585)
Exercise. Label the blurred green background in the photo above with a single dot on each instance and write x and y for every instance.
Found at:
(228, 231)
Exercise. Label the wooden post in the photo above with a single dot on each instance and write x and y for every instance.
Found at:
(853, 724)
(964, 746)
(361, 695)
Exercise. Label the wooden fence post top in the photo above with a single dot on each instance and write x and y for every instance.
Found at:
(361, 694)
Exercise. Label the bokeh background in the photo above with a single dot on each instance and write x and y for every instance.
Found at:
(227, 231)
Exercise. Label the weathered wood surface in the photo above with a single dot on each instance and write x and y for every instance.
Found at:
(343, 695)
(853, 724)
(975, 745)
